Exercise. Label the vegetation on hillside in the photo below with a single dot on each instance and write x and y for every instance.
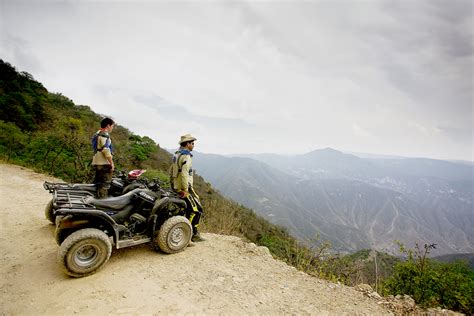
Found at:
(49, 133)
(431, 282)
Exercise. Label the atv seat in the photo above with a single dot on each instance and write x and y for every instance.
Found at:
(112, 203)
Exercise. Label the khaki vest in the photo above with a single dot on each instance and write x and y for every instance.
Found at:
(100, 157)
(181, 172)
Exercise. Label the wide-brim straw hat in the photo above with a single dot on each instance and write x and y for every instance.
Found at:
(187, 138)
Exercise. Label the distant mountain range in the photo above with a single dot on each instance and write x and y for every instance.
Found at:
(354, 202)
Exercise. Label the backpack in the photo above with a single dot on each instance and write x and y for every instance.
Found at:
(94, 142)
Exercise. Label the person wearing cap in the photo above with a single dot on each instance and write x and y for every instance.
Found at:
(181, 178)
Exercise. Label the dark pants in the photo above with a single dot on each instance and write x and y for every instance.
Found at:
(194, 209)
(103, 178)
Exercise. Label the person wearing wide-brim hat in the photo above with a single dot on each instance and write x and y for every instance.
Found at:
(188, 138)
(181, 178)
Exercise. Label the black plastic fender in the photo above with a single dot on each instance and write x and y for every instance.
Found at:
(74, 219)
(157, 215)
(159, 205)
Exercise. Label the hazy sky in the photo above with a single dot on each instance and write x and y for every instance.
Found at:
(385, 77)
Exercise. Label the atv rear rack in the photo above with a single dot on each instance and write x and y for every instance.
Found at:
(54, 186)
(71, 199)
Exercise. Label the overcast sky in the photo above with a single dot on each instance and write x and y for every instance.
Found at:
(383, 77)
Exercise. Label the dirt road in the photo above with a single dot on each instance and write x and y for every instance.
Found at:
(223, 275)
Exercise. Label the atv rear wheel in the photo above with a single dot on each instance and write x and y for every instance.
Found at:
(174, 235)
(84, 252)
(49, 212)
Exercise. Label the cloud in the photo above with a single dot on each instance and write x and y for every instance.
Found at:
(179, 113)
(456, 134)
(385, 77)
(359, 131)
(20, 53)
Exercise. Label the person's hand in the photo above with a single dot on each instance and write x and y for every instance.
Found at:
(183, 194)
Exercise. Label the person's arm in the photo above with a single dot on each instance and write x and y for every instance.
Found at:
(111, 162)
(185, 173)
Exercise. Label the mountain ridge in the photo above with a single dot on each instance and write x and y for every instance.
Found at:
(411, 199)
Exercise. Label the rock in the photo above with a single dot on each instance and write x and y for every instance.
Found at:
(408, 301)
(264, 251)
(364, 288)
(374, 295)
(437, 311)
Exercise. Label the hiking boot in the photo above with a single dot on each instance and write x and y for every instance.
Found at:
(197, 237)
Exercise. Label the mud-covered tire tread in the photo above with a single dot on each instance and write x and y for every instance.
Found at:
(49, 212)
(78, 236)
(160, 240)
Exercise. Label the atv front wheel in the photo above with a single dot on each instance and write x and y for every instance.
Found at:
(49, 212)
(84, 252)
(174, 235)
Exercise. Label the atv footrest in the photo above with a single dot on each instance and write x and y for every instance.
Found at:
(132, 242)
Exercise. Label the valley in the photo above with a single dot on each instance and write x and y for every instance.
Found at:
(353, 202)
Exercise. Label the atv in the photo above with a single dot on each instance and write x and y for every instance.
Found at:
(63, 192)
(88, 228)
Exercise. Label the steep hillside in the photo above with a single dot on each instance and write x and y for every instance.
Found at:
(49, 132)
(222, 275)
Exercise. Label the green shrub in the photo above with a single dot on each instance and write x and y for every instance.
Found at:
(12, 141)
(432, 283)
